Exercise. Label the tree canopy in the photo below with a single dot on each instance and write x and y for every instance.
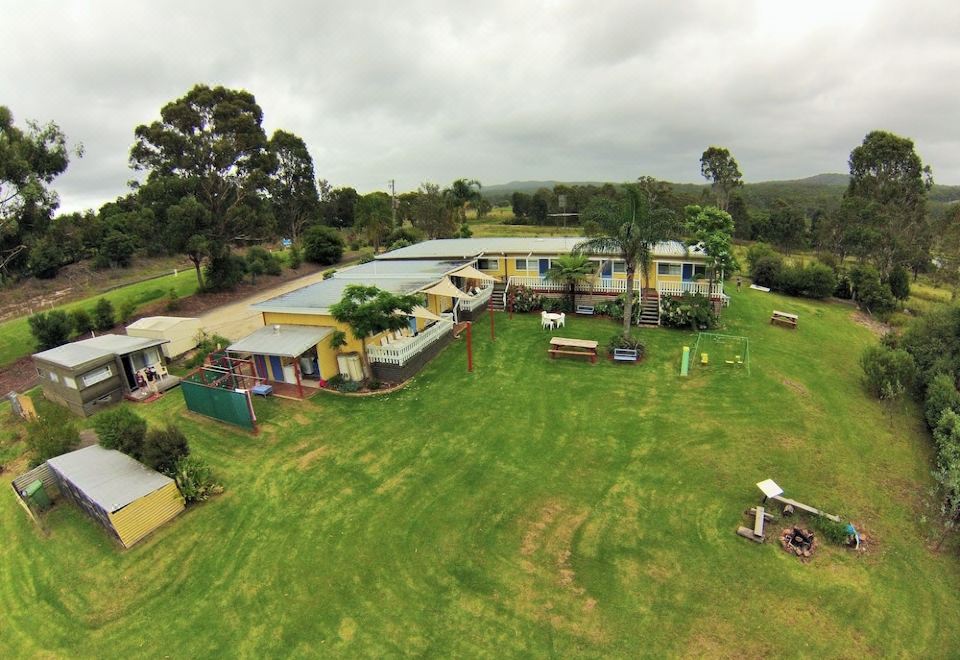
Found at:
(293, 186)
(369, 310)
(721, 169)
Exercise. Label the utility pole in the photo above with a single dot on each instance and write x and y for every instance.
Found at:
(393, 200)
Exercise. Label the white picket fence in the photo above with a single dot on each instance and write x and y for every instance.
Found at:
(403, 350)
(480, 300)
(680, 288)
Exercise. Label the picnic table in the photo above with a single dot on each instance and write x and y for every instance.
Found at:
(574, 347)
(784, 319)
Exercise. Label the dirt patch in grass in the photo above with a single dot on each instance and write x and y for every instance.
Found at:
(799, 388)
(393, 482)
(308, 459)
(876, 327)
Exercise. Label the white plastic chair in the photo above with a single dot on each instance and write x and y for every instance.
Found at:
(545, 323)
(562, 321)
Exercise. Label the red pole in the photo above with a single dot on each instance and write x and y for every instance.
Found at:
(469, 348)
(493, 336)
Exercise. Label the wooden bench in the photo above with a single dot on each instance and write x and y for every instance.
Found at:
(585, 309)
(784, 319)
(625, 355)
(573, 347)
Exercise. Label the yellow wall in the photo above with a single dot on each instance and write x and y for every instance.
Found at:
(139, 518)
(507, 268)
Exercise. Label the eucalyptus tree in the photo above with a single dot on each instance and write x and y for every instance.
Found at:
(293, 186)
(721, 169)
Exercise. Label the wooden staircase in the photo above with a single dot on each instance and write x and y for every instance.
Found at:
(649, 307)
(498, 297)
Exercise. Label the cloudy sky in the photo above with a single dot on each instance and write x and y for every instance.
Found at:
(436, 90)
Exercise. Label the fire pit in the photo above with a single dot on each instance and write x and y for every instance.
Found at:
(798, 541)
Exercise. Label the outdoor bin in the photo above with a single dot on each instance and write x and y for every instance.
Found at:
(38, 496)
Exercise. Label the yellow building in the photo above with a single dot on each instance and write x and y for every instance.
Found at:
(293, 350)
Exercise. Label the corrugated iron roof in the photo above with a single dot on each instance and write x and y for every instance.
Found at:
(158, 322)
(83, 351)
(108, 477)
(395, 277)
(465, 248)
(286, 340)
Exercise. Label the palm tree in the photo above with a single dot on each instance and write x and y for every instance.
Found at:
(571, 269)
(460, 193)
(629, 230)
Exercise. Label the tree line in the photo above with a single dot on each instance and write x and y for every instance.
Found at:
(211, 181)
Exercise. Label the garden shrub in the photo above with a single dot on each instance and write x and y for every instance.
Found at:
(172, 301)
(103, 315)
(81, 321)
(121, 429)
(556, 305)
(791, 281)
(50, 329)
(408, 235)
(396, 245)
(821, 281)
(322, 245)
(206, 345)
(758, 252)
(844, 288)
(163, 447)
(766, 270)
(832, 531)
(195, 480)
(341, 384)
(259, 260)
(876, 297)
(295, 257)
(224, 272)
(887, 372)
(942, 395)
(630, 341)
(366, 256)
(611, 308)
(126, 311)
(374, 384)
(691, 310)
(526, 300)
(354, 246)
(899, 283)
(50, 436)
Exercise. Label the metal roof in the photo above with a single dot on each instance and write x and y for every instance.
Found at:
(285, 340)
(83, 351)
(158, 322)
(108, 477)
(467, 248)
(395, 277)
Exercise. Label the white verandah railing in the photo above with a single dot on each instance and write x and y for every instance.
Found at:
(609, 285)
(403, 350)
(478, 301)
(680, 288)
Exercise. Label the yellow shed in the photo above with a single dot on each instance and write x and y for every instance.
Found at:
(126, 497)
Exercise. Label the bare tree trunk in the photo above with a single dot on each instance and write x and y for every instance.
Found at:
(196, 265)
(628, 302)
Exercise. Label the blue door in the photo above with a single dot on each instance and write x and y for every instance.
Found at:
(412, 324)
(277, 367)
(261, 365)
(687, 272)
(544, 267)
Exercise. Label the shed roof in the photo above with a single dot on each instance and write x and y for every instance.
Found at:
(464, 248)
(83, 351)
(158, 323)
(285, 340)
(108, 477)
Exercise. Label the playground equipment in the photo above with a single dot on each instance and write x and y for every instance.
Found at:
(729, 350)
(685, 362)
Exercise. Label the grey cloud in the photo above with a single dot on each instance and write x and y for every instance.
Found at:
(430, 90)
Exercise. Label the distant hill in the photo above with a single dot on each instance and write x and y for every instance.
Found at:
(817, 191)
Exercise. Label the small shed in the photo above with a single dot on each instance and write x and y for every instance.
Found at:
(126, 497)
(181, 332)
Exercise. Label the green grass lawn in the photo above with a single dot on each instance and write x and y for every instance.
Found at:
(531, 508)
(16, 340)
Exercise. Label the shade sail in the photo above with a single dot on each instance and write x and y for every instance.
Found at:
(420, 313)
(446, 288)
(472, 273)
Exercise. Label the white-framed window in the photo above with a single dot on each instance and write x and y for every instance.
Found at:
(669, 269)
(699, 272)
(53, 376)
(97, 375)
(488, 264)
(619, 267)
(527, 264)
(70, 382)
